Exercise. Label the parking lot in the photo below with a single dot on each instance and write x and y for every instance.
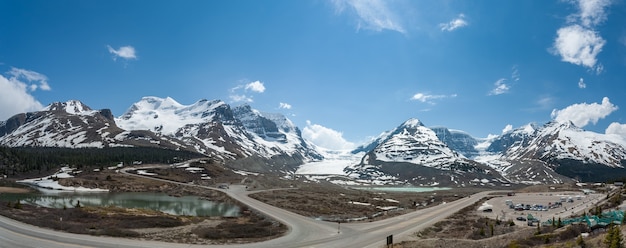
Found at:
(542, 206)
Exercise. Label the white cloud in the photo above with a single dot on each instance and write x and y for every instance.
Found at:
(15, 96)
(325, 137)
(240, 98)
(426, 98)
(283, 105)
(256, 86)
(371, 14)
(592, 12)
(125, 52)
(582, 114)
(500, 87)
(581, 83)
(616, 128)
(578, 45)
(456, 23)
(508, 127)
(236, 94)
(38, 80)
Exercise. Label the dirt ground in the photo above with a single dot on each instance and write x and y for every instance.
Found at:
(13, 190)
(335, 203)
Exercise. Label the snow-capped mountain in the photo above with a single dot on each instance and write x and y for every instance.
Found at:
(276, 132)
(245, 138)
(414, 153)
(518, 137)
(556, 141)
(412, 142)
(555, 151)
(458, 141)
(72, 124)
(216, 129)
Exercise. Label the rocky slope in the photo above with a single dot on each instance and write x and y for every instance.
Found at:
(72, 124)
(414, 154)
(241, 136)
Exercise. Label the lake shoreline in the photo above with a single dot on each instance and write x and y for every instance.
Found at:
(14, 190)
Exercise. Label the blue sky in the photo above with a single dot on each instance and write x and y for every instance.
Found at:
(343, 71)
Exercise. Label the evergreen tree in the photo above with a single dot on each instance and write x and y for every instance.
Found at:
(614, 238)
(581, 242)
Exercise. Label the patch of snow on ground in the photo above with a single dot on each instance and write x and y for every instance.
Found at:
(49, 183)
(360, 203)
(193, 169)
(145, 173)
(245, 173)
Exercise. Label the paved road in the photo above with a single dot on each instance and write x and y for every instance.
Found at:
(303, 231)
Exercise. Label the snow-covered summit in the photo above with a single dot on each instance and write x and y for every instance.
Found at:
(411, 142)
(216, 129)
(564, 140)
(71, 124)
(74, 107)
(166, 115)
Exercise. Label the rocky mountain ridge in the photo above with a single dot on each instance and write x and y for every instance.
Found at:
(249, 139)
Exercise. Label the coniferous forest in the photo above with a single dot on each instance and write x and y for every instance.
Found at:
(14, 161)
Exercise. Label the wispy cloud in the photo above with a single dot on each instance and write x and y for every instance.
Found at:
(515, 76)
(239, 92)
(582, 114)
(454, 24)
(374, 15)
(579, 42)
(125, 52)
(427, 98)
(592, 12)
(283, 105)
(500, 88)
(37, 80)
(502, 85)
(545, 102)
(15, 92)
(581, 83)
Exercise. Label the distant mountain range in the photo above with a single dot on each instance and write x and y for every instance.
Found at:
(245, 138)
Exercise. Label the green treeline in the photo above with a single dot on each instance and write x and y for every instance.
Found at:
(15, 161)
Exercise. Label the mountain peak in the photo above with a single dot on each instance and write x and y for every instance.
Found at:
(71, 107)
(413, 122)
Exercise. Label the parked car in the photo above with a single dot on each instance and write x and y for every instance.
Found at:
(521, 218)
